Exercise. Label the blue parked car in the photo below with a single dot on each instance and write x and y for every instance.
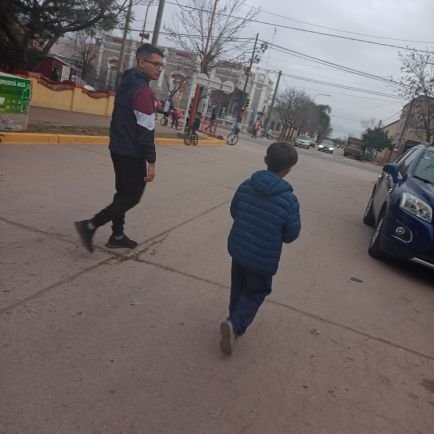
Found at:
(401, 208)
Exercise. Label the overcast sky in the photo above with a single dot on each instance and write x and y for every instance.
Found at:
(403, 21)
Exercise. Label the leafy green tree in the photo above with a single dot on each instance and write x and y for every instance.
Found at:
(374, 140)
(324, 124)
(29, 28)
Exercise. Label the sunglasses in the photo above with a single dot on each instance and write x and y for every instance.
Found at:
(156, 64)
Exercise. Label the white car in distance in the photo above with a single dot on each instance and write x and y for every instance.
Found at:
(303, 142)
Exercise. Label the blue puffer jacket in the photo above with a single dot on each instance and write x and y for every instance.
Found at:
(266, 213)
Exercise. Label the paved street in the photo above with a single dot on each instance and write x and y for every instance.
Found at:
(127, 342)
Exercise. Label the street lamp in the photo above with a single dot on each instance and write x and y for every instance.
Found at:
(318, 94)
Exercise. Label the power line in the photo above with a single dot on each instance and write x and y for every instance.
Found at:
(300, 29)
(340, 86)
(187, 34)
(392, 116)
(313, 66)
(340, 30)
(331, 64)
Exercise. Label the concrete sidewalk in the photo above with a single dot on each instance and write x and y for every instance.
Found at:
(127, 342)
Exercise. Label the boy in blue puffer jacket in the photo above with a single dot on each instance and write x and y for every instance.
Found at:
(266, 214)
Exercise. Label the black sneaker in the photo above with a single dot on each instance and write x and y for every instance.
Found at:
(123, 243)
(86, 234)
(228, 337)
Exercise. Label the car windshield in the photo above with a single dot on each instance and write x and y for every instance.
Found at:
(425, 167)
(303, 137)
(327, 143)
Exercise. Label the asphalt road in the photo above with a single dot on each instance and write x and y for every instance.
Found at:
(127, 342)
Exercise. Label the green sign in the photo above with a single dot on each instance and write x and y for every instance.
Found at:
(15, 93)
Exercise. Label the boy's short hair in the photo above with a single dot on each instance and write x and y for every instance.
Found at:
(147, 50)
(281, 156)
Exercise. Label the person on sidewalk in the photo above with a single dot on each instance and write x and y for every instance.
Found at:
(212, 122)
(256, 128)
(266, 214)
(176, 115)
(168, 104)
(132, 147)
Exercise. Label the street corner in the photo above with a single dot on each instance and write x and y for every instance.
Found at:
(17, 138)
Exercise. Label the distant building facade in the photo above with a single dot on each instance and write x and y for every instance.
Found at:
(178, 74)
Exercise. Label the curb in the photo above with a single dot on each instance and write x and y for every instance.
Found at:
(75, 139)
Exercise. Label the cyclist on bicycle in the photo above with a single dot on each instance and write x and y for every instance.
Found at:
(196, 122)
(236, 127)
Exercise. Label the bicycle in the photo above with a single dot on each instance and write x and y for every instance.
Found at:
(232, 138)
(190, 137)
(164, 120)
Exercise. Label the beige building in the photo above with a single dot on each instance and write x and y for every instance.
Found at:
(409, 129)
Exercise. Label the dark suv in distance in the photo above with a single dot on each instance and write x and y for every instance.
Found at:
(353, 150)
(401, 208)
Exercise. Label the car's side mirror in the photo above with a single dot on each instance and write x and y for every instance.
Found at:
(392, 170)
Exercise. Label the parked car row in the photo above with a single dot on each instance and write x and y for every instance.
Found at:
(401, 204)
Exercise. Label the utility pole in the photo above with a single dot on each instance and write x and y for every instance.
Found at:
(205, 52)
(404, 128)
(267, 120)
(248, 72)
(124, 43)
(157, 26)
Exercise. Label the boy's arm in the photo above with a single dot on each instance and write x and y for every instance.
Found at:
(292, 226)
(233, 209)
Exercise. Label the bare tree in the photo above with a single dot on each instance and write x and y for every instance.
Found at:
(191, 27)
(291, 104)
(369, 124)
(85, 51)
(175, 84)
(416, 85)
(298, 113)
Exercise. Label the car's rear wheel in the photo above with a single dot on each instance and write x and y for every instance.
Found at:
(374, 249)
(368, 217)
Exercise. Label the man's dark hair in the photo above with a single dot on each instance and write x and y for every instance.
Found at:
(147, 50)
(281, 156)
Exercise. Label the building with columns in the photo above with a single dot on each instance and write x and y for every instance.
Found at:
(179, 72)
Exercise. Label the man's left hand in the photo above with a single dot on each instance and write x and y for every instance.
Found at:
(151, 173)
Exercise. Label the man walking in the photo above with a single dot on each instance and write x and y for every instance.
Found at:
(132, 147)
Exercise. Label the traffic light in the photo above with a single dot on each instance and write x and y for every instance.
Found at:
(246, 104)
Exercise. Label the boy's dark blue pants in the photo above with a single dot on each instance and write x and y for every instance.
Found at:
(248, 291)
